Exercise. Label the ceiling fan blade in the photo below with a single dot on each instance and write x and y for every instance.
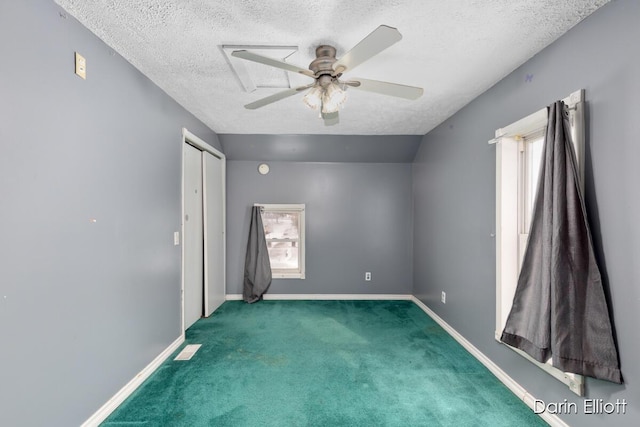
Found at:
(385, 88)
(331, 119)
(380, 39)
(250, 56)
(276, 97)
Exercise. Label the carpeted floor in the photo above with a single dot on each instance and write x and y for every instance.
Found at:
(323, 363)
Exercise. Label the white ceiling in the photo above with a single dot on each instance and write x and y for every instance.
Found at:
(454, 49)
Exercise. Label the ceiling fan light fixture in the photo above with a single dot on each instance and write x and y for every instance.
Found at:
(333, 98)
(313, 98)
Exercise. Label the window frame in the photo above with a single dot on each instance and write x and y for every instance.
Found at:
(510, 161)
(296, 209)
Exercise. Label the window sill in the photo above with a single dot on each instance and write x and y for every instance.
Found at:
(288, 275)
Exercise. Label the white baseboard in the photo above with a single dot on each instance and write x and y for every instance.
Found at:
(326, 297)
(552, 419)
(101, 414)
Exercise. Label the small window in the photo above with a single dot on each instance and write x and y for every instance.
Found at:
(519, 149)
(284, 232)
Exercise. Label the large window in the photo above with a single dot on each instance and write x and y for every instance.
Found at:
(284, 232)
(518, 158)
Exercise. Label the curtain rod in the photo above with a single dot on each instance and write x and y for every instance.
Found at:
(567, 107)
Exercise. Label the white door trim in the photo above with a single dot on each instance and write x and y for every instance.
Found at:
(190, 138)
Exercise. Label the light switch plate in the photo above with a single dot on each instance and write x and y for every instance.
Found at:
(176, 238)
(81, 66)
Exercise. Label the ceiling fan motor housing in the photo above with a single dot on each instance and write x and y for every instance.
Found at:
(323, 64)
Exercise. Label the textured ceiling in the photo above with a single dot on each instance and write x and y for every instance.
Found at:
(454, 49)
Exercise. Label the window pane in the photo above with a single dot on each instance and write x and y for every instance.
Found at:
(534, 159)
(281, 225)
(283, 255)
(284, 233)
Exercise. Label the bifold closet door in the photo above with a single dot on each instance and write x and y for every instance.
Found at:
(193, 236)
(214, 287)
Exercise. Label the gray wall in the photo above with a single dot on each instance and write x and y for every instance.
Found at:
(358, 218)
(454, 197)
(322, 148)
(84, 306)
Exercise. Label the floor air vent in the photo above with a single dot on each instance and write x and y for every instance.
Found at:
(188, 352)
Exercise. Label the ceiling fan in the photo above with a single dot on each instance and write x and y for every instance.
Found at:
(327, 92)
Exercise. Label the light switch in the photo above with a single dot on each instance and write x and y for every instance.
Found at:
(81, 66)
(176, 238)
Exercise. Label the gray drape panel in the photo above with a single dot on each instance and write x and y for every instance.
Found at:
(559, 309)
(257, 267)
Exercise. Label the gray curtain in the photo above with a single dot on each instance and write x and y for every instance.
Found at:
(257, 267)
(559, 309)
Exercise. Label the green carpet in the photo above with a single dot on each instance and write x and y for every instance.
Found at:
(323, 363)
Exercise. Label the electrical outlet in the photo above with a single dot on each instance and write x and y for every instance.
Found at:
(81, 66)
(367, 276)
(443, 297)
